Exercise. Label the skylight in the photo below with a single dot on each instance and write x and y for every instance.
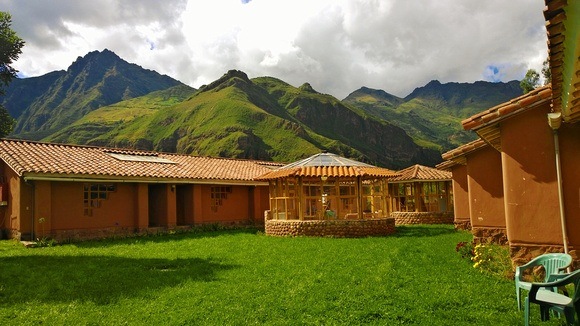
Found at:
(141, 158)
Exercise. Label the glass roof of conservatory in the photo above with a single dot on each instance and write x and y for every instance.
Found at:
(325, 159)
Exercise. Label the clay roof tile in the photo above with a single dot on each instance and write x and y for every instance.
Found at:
(33, 158)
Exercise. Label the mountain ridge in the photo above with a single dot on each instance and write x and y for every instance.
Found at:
(92, 81)
(103, 100)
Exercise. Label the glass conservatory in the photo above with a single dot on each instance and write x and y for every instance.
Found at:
(327, 187)
(421, 195)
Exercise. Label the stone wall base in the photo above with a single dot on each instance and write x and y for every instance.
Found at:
(75, 235)
(523, 253)
(406, 218)
(462, 225)
(489, 235)
(333, 228)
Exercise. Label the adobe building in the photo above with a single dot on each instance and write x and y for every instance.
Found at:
(478, 190)
(421, 195)
(71, 192)
(537, 136)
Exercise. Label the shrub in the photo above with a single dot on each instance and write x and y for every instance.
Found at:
(493, 259)
(465, 249)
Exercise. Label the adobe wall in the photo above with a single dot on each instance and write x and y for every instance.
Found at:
(261, 203)
(484, 179)
(460, 197)
(67, 208)
(524, 248)
(9, 221)
(408, 218)
(333, 228)
(234, 208)
(569, 138)
(529, 173)
(57, 210)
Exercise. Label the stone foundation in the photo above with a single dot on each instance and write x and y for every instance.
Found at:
(92, 234)
(523, 253)
(489, 235)
(462, 225)
(333, 228)
(406, 218)
(76, 235)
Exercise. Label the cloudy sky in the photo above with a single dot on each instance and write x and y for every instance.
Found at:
(337, 46)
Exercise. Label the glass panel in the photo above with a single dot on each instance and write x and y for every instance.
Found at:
(312, 209)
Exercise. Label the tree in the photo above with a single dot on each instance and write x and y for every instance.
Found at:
(10, 49)
(546, 72)
(530, 81)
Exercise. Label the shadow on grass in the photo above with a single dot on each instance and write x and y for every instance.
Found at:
(166, 237)
(98, 279)
(425, 230)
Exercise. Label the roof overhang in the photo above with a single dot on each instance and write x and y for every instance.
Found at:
(365, 172)
(113, 179)
(458, 156)
(487, 123)
(563, 29)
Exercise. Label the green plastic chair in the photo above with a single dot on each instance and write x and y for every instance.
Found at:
(543, 294)
(554, 263)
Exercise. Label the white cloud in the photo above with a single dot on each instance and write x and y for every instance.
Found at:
(336, 46)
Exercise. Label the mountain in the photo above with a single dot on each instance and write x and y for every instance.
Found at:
(43, 105)
(432, 114)
(263, 118)
(97, 126)
(103, 100)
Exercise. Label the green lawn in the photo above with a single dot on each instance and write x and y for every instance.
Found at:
(244, 277)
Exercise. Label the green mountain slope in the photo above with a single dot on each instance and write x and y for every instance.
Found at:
(102, 122)
(57, 100)
(263, 118)
(432, 114)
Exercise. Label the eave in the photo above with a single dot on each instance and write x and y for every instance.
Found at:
(563, 29)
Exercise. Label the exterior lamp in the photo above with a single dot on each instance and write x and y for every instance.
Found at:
(323, 178)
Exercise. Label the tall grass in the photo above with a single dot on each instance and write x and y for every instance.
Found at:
(244, 277)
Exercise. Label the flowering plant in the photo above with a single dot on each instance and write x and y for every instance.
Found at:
(493, 259)
(465, 249)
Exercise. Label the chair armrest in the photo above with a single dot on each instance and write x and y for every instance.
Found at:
(520, 269)
(566, 279)
(556, 277)
(532, 263)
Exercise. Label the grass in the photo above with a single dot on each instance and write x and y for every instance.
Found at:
(243, 277)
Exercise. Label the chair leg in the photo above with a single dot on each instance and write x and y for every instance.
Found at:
(569, 316)
(544, 313)
(519, 299)
(526, 311)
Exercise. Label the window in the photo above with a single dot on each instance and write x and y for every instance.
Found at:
(312, 191)
(402, 197)
(435, 197)
(218, 195)
(93, 194)
(373, 198)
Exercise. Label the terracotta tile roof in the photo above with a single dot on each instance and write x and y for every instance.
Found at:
(329, 165)
(562, 27)
(457, 156)
(421, 173)
(446, 165)
(519, 104)
(463, 150)
(31, 159)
